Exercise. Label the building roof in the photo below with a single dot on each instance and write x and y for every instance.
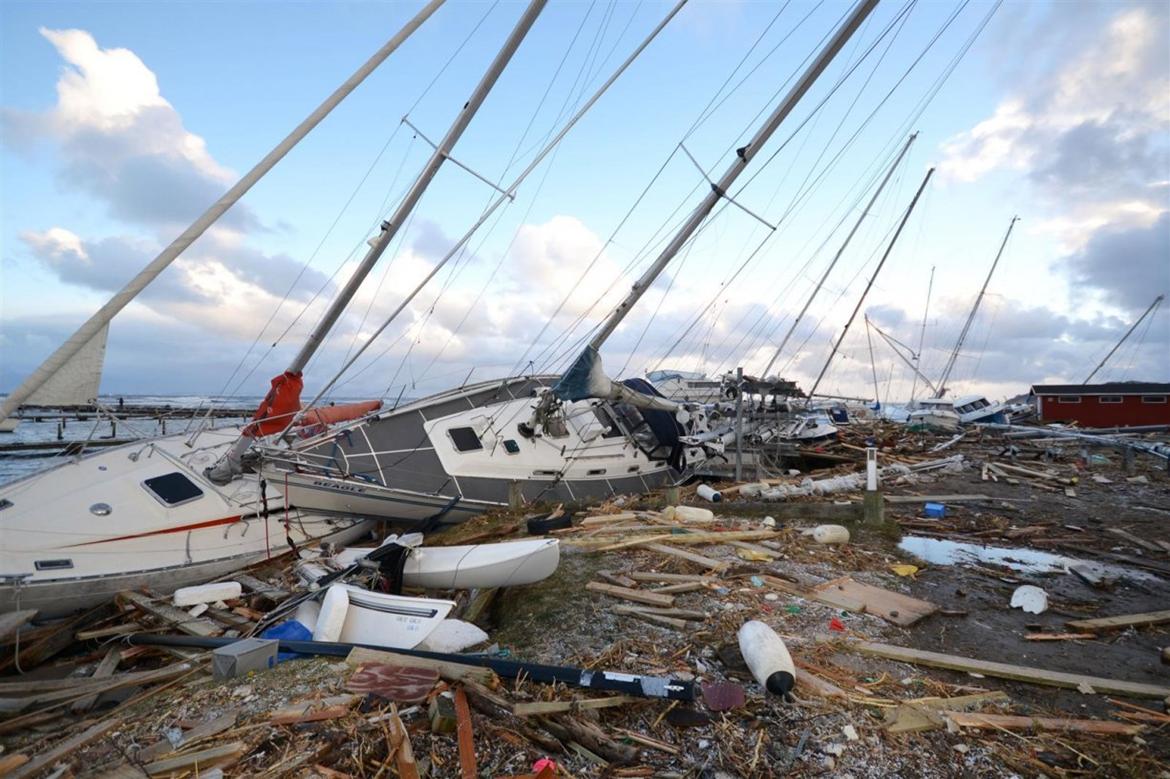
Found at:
(1111, 388)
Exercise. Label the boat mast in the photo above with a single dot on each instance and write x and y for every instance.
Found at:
(95, 323)
(872, 365)
(837, 256)
(946, 374)
(897, 346)
(877, 270)
(922, 339)
(442, 152)
(1128, 332)
(743, 156)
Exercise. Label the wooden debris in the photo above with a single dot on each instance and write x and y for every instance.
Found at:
(205, 759)
(677, 589)
(709, 563)
(617, 579)
(452, 672)
(1017, 673)
(466, 739)
(403, 754)
(646, 741)
(314, 711)
(65, 748)
(1059, 636)
(671, 578)
(164, 747)
(896, 499)
(927, 713)
(538, 708)
(892, 606)
(638, 596)
(14, 621)
(658, 619)
(181, 620)
(608, 519)
(691, 539)
(830, 597)
(1013, 722)
(1122, 621)
(104, 669)
(113, 630)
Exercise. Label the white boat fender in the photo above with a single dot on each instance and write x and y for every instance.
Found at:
(207, 593)
(830, 534)
(331, 618)
(706, 492)
(688, 514)
(767, 658)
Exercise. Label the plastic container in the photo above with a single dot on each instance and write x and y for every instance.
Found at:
(767, 657)
(706, 492)
(207, 593)
(831, 534)
(688, 514)
(935, 510)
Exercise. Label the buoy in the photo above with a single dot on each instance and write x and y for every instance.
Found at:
(706, 492)
(830, 534)
(767, 658)
(688, 514)
(331, 618)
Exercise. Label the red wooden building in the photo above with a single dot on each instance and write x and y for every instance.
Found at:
(1116, 404)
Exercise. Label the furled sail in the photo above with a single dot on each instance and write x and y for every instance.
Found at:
(76, 382)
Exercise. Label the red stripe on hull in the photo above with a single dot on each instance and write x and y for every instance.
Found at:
(168, 531)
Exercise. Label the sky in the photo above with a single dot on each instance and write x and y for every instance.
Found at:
(121, 122)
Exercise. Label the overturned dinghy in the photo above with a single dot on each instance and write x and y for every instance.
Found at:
(505, 564)
(353, 615)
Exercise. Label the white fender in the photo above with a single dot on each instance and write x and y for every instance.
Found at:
(707, 492)
(830, 534)
(331, 618)
(767, 657)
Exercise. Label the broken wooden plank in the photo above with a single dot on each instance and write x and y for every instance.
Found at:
(403, 753)
(935, 498)
(83, 687)
(707, 562)
(104, 669)
(452, 672)
(617, 579)
(625, 593)
(692, 539)
(1019, 673)
(607, 519)
(691, 614)
(1015, 722)
(1122, 621)
(164, 747)
(538, 708)
(671, 578)
(14, 621)
(678, 589)
(1130, 537)
(669, 622)
(65, 748)
(1059, 636)
(113, 630)
(464, 735)
(894, 607)
(332, 707)
(921, 714)
(830, 597)
(178, 618)
(203, 760)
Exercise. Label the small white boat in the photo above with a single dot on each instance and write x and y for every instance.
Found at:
(505, 564)
(977, 409)
(353, 615)
(934, 414)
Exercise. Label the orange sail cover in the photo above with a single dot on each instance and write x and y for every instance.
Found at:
(277, 409)
(328, 415)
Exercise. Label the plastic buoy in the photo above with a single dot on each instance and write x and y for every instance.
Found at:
(688, 514)
(767, 658)
(706, 492)
(331, 618)
(830, 534)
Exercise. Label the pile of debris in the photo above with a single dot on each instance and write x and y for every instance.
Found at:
(735, 630)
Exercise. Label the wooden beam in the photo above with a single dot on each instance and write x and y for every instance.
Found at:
(404, 754)
(658, 619)
(14, 621)
(1013, 722)
(671, 578)
(638, 596)
(180, 619)
(709, 563)
(65, 748)
(466, 738)
(935, 498)
(104, 669)
(559, 707)
(1019, 673)
(225, 754)
(1123, 621)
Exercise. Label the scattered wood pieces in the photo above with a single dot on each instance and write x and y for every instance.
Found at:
(65, 748)
(1060, 636)
(181, 620)
(892, 606)
(14, 621)
(638, 596)
(709, 563)
(538, 708)
(1014, 722)
(452, 672)
(214, 727)
(205, 759)
(105, 668)
(1121, 621)
(467, 766)
(671, 578)
(1018, 673)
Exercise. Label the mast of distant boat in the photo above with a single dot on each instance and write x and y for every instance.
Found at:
(946, 374)
(1128, 332)
(283, 399)
(921, 340)
(95, 323)
(584, 379)
(897, 347)
(872, 278)
(837, 256)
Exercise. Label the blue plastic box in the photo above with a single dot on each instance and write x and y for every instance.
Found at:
(935, 510)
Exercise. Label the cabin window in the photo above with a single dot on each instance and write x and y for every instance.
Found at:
(5, 503)
(1069, 399)
(607, 423)
(173, 489)
(53, 565)
(1109, 399)
(465, 439)
(511, 447)
(1153, 398)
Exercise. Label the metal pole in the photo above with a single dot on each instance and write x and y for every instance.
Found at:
(890, 248)
(739, 424)
(1128, 332)
(921, 337)
(107, 312)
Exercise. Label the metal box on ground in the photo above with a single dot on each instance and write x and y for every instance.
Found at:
(249, 654)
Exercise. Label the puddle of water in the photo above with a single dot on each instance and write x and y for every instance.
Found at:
(940, 551)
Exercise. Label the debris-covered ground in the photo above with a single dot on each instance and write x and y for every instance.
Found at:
(910, 659)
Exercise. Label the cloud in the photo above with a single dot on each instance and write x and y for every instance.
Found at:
(1087, 126)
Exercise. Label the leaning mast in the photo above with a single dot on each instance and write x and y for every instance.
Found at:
(1128, 333)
